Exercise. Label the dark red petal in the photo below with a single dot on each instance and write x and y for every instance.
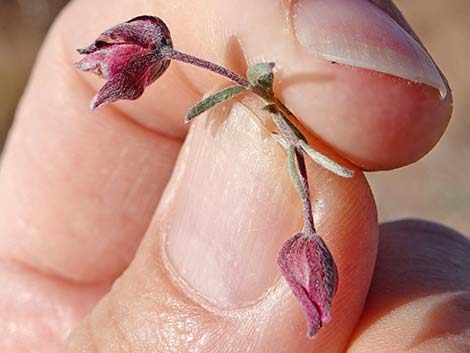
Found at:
(157, 30)
(157, 70)
(110, 61)
(118, 88)
(128, 84)
(323, 284)
(95, 46)
(146, 31)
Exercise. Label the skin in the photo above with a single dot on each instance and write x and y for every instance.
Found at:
(79, 192)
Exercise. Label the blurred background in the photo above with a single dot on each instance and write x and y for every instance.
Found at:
(436, 188)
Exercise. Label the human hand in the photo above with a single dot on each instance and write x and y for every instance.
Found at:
(79, 193)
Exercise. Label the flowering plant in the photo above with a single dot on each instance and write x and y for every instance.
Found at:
(133, 54)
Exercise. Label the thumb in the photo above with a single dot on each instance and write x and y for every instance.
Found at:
(205, 276)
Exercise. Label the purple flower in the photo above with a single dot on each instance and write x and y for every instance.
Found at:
(309, 269)
(129, 56)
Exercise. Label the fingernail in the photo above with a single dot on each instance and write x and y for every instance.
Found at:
(358, 33)
(232, 209)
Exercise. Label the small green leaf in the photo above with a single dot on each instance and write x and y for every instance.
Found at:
(325, 162)
(212, 100)
(261, 75)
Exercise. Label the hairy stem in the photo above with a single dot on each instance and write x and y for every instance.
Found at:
(294, 172)
(171, 53)
(309, 226)
(297, 168)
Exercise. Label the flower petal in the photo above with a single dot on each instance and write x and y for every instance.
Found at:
(129, 83)
(108, 62)
(147, 31)
(323, 278)
(309, 269)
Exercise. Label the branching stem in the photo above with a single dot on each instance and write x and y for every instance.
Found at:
(290, 133)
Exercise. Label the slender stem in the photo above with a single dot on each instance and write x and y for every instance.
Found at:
(288, 130)
(294, 172)
(174, 54)
(309, 227)
(298, 175)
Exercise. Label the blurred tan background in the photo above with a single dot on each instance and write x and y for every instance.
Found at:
(436, 188)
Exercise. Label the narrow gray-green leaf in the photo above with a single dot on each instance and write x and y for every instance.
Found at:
(261, 75)
(326, 162)
(212, 100)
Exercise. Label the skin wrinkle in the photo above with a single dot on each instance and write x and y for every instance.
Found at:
(57, 310)
(53, 276)
(125, 343)
(91, 335)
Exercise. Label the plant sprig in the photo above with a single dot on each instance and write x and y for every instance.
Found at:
(304, 259)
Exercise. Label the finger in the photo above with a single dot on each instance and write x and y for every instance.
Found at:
(77, 189)
(420, 295)
(352, 106)
(205, 277)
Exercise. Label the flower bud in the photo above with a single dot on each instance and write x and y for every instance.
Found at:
(129, 56)
(309, 269)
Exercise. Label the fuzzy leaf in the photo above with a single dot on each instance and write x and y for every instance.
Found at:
(261, 75)
(212, 100)
(326, 162)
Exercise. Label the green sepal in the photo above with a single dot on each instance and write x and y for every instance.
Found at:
(261, 75)
(212, 100)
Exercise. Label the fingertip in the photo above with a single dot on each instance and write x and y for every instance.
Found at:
(354, 76)
(375, 120)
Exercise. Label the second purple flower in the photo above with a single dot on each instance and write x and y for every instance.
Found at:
(309, 269)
